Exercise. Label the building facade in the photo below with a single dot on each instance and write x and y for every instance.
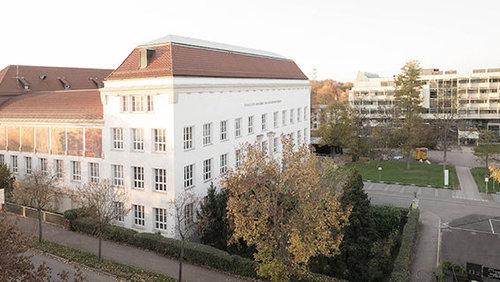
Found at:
(473, 97)
(171, 119)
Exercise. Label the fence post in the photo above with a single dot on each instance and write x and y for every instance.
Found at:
(44, 214)
(24, 211)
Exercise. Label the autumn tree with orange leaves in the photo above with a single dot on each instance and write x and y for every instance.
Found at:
(285, 209)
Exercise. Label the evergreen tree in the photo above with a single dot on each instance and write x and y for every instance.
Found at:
(359, 235)
(213, 226)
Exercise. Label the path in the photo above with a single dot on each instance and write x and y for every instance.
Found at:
(426, 248)
(468, 186)
(57, 266)
(124, 254)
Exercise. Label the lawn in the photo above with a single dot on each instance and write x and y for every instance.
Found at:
(478, 174)
(420, 174)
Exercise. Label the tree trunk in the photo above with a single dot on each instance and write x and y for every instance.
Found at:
(100, 243)
(39, 225)
(408, 160)
(180, 260)
(487, 157)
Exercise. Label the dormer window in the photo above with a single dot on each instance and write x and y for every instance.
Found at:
(24, 83)
(64, 83)
(145, 57)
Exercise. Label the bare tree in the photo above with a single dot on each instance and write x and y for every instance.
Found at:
(445, 119)
(106, 201)
(36, 190)
(15, 262)
(185, 207)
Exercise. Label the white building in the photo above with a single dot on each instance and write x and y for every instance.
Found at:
(474, 97)
(174, 114)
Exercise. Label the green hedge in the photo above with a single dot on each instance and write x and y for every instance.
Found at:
(401, 270)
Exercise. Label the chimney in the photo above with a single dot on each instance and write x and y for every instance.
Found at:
(145, 57)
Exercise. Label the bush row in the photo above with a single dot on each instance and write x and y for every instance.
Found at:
(401, 268)
(193, 252)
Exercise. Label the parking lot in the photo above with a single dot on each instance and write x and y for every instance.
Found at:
(474, 238)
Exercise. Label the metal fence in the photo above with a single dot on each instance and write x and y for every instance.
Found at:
(30, 212)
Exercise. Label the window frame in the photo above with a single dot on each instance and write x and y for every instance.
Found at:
(138, 179)
(76, 171)
(160, 218)
(117, 175)
(137, 139)
(139, 216)
(188, 131)
(159, 140)
(223, 130)
(117, 138)
(188, 178)
(207, 134)
(208, 169)
(160, 179)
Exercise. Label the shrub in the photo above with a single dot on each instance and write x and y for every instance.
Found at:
(401, 269)
(70, 214)
(387, 218)
(85, 225)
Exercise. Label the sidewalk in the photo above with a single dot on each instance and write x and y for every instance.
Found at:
(468, 186)
(424, 261)
(124, 254)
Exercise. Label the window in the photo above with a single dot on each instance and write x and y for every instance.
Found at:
(188, 138)
(137, 103)
(299, 137)
(150, 107)
(27, 161)
(137, 139)
(299, 114)
(119, 211)
(283, 117)
(94, 172)
(237, 127)
(124, 103)
(43, 166)
(264, 125)
(275, 119)
(138, 215)
(275, 144)
(2, 159)
(223, 130)
(188, 175)
(250, 124)
(305, 113)
(117, 135)
(207, 133)
(138, 177)
(292, 136)
(160, 218)
(291, 116)
(76, 171)
(223, 163)
(238, 157)
(13, 160)
(160, 179)
(117, 175)
(207, 169)
(59, 168)
(189, 214)
(160, 144)
(305, 135)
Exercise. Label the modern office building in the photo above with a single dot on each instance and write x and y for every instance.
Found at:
(170, 119)
(473, 97)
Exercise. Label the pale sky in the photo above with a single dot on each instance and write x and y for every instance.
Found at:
(337, 37)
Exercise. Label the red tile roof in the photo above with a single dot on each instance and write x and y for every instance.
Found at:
(65, 104)
(181, 60)
(78, 78)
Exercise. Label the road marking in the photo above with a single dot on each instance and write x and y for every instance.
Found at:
(369, 187)
(402, 190)
(436, 193)
(491, 225)
(386, 188)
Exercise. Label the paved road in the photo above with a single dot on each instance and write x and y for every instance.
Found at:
(125, 254)
(57, 266)
(435, 204)
(461, 157)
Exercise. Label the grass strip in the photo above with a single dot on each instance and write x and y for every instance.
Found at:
(478, 173)
(420, 174)
(120, 270)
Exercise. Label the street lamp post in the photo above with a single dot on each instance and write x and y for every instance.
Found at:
(493, 176)
(379, 174)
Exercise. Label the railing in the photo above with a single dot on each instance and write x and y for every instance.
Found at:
(30, 212)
